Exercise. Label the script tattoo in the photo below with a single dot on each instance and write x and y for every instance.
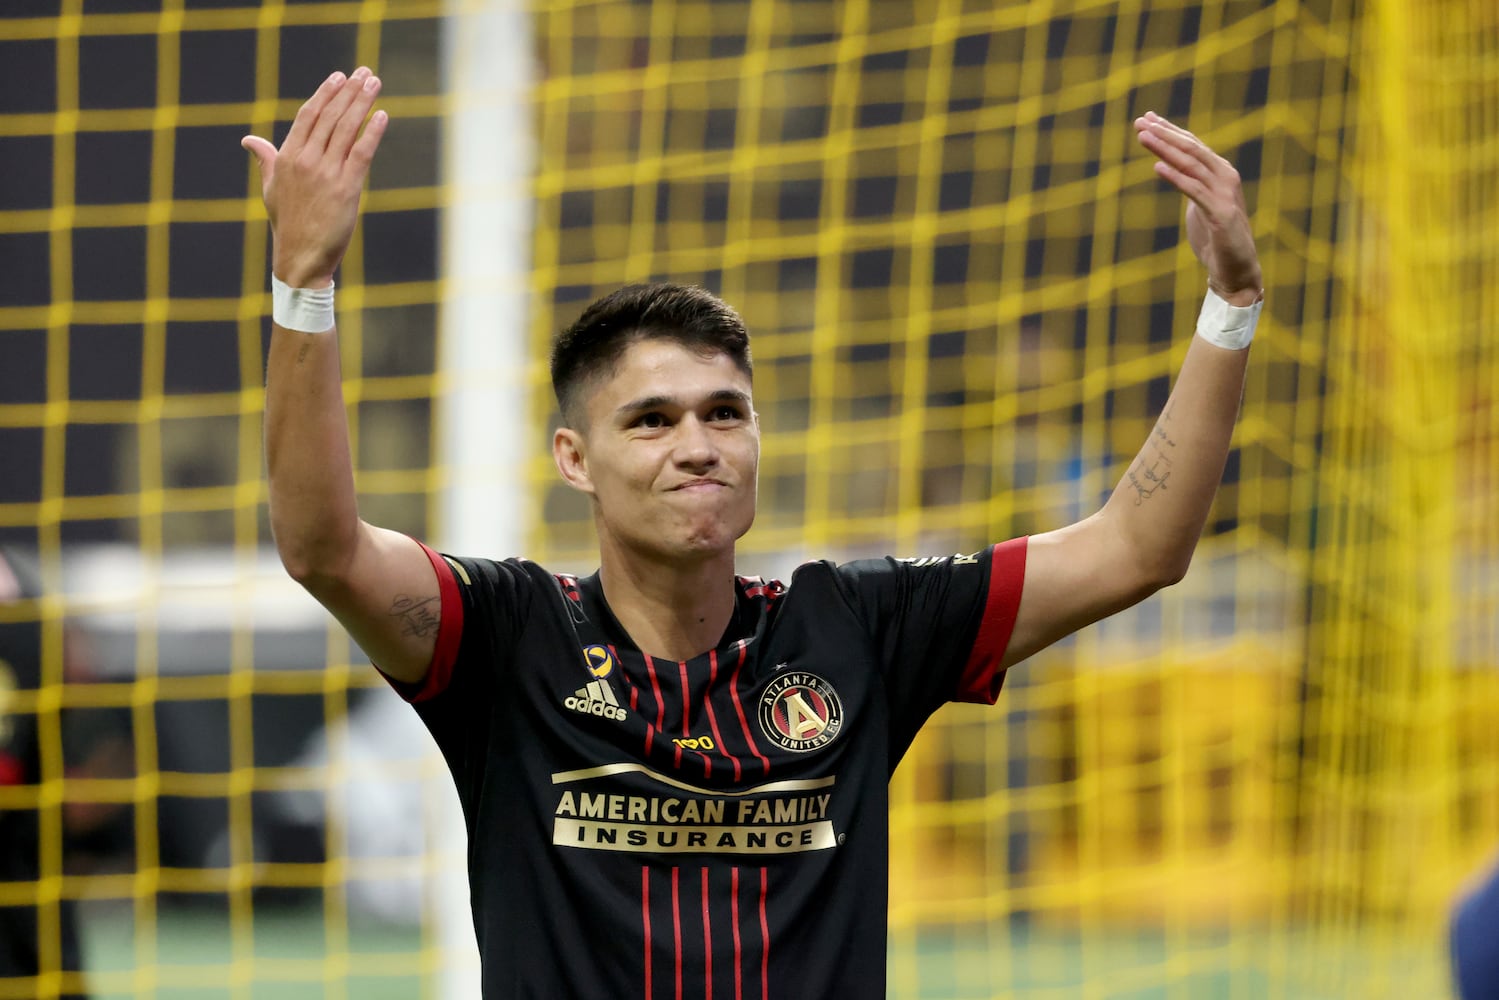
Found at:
(416, 615)
(1152, 467)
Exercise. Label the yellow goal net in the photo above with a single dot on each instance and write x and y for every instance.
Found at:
(967, 295)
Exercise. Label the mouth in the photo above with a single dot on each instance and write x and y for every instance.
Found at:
(698, 486)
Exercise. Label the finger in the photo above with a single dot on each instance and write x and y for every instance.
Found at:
(1173, 155)
(347, 128)
(1181, 140)
(1166, 123)
(363, 151)
(264, 153)
(338, 106)
(308, 113)
(1187, 184)
(1167, 128)
(1211, 176)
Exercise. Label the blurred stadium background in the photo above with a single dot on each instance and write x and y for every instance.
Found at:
(968, 295)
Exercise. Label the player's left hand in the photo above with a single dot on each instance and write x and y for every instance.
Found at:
(1217, 217)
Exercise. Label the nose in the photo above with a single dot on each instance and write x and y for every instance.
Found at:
(695, 449)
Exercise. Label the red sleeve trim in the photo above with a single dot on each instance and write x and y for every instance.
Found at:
(449, 635)
(982, 676)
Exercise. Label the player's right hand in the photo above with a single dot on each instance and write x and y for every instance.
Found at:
(313, 183)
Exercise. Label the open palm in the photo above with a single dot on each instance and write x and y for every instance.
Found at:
(1218, 228)
(312, 184)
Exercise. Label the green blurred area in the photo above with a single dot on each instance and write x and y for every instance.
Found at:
(288, 958)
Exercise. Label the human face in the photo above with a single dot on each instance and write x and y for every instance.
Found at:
(670, 455)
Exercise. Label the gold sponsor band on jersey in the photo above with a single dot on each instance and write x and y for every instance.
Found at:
(768, 819)
(655, 808)
(818, 836)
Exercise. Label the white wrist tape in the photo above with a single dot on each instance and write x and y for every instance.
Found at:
(1227, 325)
(306, 310)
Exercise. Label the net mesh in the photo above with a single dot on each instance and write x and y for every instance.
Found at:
(209, 860)
(968, 296)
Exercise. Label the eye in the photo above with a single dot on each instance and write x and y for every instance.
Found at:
(651, 421)
(726, 411)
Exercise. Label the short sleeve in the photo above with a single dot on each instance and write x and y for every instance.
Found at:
(484, 604)
(941, 624)
(449, 633)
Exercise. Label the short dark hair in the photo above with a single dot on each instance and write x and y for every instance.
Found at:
(691, 316)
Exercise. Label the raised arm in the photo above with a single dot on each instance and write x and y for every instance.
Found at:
(377, 583)
(1143, 538)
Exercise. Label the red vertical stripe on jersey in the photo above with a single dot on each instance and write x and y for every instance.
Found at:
(676, 927)
(707, 941)
(650, 668)
(738, 950)
(749, 737)
(687, 718)
(629, 683)
(645, 923)
(764, 938)
(713, 719)
(983, 674)
(627, 679)
(686, 698)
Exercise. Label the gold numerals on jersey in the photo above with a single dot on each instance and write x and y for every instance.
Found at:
(695, 743)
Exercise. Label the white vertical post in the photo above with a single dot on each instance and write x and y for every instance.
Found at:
(488, 147)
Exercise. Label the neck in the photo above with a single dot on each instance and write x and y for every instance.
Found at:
(671, 611)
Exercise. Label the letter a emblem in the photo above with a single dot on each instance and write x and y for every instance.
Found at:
(801, 720)
(800, 712)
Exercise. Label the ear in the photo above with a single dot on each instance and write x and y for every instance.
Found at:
(570, 452)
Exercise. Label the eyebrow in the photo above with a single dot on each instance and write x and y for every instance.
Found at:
(660, 402)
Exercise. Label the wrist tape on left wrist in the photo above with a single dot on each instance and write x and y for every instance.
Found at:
(306, 310)
(1226, 325)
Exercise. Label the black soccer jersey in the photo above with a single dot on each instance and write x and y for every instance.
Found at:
(714, 827)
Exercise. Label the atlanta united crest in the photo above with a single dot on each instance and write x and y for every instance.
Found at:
(800, 712)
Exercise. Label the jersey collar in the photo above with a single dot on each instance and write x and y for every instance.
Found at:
(607, 630)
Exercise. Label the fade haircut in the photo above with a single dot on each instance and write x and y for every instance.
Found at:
(693, 317)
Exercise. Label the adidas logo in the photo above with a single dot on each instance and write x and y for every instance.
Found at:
(596, 698)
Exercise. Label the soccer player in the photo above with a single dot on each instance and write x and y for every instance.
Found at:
(675, 778)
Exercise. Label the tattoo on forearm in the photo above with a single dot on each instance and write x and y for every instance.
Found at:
(302, 351)
(417, 615)
(1152, 467)
(1147, 477)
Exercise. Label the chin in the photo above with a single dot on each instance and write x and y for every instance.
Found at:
(706, 544)
(711, 541)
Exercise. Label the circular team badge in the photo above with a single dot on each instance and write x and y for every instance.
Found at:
(800, 712)
(600, 661)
